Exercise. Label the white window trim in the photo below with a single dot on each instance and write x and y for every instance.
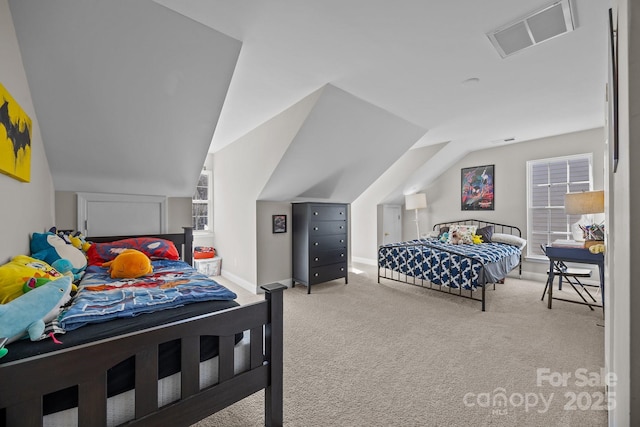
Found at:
(209, 202)
(530, 163)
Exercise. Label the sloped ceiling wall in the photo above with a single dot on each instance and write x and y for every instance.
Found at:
(127, 93)
(343, 146)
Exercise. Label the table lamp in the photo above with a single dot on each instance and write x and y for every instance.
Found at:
(415, 201)
(587, 203)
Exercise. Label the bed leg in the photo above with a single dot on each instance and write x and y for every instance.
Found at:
(274, 344)
(484, 287)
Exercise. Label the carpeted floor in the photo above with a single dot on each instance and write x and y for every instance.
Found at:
(391, 354)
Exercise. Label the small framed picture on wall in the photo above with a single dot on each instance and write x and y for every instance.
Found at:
(279, 223)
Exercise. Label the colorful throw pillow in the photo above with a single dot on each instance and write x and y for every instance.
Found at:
(152, 247)
(462, 233)
(485, 233)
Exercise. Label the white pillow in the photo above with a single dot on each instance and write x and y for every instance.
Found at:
(433, 234)
(509, 239)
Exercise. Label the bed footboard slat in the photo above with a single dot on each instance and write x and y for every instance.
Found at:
(190, 366)
(92, 402)
(226, 358)
(146, 382)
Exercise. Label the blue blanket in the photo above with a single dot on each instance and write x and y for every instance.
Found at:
(455, 266)
(172, 284)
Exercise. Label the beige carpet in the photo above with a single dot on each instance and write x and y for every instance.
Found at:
(390, 354)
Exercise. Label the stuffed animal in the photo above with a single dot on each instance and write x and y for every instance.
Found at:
(444, 237)
(27, 315)
(78, 241)
(455, 238)
(65, 267)
(34, 282)
(597, 249)
(129, 264)
(477, 239)
(50, 247)
(16, 272)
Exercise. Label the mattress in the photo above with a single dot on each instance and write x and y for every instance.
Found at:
(455, 266)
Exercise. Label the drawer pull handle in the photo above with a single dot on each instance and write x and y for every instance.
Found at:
(342, 269)
(342, 255)
(316, 275)
(341, 240)
(315, 243)
(316, 259)
(315, 228)
(341, 213)
(315, 213)
(341, 227)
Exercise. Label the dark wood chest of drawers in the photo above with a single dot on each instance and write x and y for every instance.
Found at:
(320, 239)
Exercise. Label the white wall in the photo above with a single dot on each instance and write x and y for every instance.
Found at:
(364, 210)
(622, 322)
(274, 250)
(26, 207)
(240, 171)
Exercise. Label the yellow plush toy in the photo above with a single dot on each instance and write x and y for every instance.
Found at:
(129, 264)
(477, 239)
(597, 249)
(15, 273)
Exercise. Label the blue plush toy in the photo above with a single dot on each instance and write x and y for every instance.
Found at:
(49, 247)
(27, 314)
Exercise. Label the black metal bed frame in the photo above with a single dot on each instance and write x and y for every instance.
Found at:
(388, 274)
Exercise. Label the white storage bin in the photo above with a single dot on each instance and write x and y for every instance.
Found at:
(209, 266)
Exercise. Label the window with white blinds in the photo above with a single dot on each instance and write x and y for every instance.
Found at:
(548, 180)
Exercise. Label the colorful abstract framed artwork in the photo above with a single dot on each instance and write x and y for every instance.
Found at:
(15, 138)
(478, 188)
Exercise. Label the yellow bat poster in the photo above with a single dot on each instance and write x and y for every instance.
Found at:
(15, 138)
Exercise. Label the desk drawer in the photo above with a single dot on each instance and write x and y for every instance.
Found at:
(324, 243)
(327, 227)
(327, 272)
(328, 213)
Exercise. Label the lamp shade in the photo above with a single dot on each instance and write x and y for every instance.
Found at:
(415, 201)
(588, 202)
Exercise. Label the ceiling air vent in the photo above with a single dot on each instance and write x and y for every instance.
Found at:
(544, 24)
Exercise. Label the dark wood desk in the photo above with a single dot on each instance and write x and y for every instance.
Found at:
(577, 255)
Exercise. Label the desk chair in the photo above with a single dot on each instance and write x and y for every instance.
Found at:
(571, 275)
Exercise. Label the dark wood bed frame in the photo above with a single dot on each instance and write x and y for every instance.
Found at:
(384, 273)
(24, 382)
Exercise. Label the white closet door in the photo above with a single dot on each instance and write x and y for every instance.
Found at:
(392, 224)
(102, 214)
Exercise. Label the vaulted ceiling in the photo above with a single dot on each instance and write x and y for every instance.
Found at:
(162, 85)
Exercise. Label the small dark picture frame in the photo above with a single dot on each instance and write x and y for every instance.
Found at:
(279, 223)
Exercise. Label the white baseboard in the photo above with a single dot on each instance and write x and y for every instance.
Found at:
(251, 287)
(254, 289)
(366, 261)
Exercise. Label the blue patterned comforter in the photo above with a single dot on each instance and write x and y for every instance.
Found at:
(455, 266)
(172, 283)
